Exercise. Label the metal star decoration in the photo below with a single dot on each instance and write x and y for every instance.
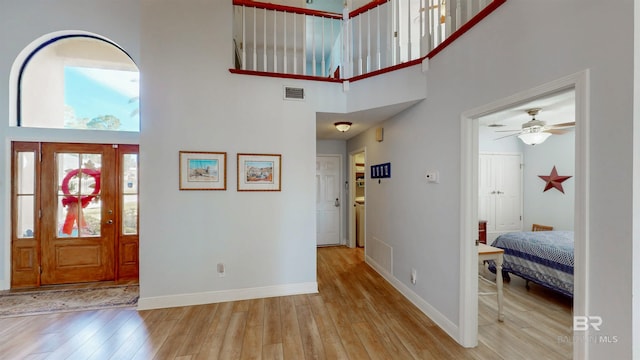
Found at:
(554, 180)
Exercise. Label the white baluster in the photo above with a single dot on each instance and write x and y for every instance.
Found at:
(264, 44)
(284, 46)
(255, 41)
(469, 10)
(397, 33)
(275, 42)
(295, 44)
(242, 45)
(409, 31)
(458, 14)
(313, 45)
(378, 52)
(368, 67)
(360, 60)
(323, 62)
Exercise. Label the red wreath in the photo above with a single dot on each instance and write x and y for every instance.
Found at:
(71, 201)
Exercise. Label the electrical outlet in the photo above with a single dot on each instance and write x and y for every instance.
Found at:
(414, 275)
(221, 271)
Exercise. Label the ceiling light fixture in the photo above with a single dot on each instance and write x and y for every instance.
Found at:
(342, 126)
(534, 137)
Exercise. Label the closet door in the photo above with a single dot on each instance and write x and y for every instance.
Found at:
(500, 192)
(508, 199)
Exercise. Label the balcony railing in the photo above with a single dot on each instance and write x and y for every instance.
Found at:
(384, 34)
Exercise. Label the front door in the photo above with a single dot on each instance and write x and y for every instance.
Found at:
(78, 212)
(328, 200)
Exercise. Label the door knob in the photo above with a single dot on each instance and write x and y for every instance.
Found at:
(109, 222)
(337, 203)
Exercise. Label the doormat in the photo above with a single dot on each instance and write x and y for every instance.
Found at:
(64, 300)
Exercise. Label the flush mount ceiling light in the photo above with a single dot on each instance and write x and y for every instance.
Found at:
(342, 126)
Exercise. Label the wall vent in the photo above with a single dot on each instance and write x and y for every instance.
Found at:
(292, 93)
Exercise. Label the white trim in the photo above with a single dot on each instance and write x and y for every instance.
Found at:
(468, 307)
(210, 297)
(434, 315)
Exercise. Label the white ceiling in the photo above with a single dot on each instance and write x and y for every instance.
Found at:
(362, 120)
(554, 109)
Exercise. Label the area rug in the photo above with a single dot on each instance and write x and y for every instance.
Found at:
(64, 300)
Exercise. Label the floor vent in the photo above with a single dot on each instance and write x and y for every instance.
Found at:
(292, 93)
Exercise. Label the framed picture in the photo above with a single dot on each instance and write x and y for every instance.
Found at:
(259, 172)
(200, 170)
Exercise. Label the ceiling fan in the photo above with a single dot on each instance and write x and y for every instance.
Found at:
(537, 131)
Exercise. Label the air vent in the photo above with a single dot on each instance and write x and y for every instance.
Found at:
(292, 93)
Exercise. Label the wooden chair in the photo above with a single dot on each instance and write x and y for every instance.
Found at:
(538, 227)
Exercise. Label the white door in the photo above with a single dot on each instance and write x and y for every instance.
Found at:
(509, 190)
(328, 201)
(500, 193)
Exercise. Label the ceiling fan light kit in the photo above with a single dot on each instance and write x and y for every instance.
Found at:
(534, 138)
(534, 131)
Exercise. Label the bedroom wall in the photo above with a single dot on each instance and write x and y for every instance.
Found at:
(507, 53)
(550, 207)
(542, 207)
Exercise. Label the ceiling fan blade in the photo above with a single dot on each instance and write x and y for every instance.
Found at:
(567, 124)
(556, 131)
(506, 136)
(508, 130)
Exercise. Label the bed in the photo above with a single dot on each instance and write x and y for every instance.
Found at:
(543, 257)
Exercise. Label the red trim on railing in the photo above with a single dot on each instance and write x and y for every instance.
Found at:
(289, 9)
(386, 70)
(466, 27)
(369, 6)
(285, 76)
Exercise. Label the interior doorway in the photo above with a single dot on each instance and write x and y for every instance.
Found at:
(357, 198)
(75, 213)
(469, 202)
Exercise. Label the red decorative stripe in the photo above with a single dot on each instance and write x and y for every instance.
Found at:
(369, 6)
(290, 9)
(286, 76)
(386, 70)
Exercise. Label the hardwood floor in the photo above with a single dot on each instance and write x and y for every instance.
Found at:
(356, 315)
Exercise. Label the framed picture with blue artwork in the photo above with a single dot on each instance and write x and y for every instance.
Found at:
(203, 170)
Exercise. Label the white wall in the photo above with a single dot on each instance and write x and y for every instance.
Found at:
(508, 52)
(192, 102)
(550, 207)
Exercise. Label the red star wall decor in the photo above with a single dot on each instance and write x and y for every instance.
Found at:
(554, 180)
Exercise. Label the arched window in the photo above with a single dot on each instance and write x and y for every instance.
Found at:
(78, 82)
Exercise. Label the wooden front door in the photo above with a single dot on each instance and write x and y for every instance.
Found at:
(78, 212)
(74, 213)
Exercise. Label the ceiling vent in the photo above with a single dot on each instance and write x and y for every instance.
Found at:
(292, 93)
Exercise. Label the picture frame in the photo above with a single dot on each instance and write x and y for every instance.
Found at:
(203, 170)
(259, 172)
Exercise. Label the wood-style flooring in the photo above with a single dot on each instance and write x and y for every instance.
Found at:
(355, 315)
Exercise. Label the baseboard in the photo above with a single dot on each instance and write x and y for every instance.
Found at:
(210, 297)
(438, 318)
